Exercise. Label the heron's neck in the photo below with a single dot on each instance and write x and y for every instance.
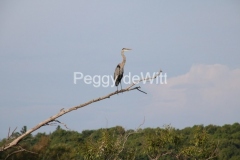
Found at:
(124, 58)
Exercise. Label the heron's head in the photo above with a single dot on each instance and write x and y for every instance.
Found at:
(126, 49)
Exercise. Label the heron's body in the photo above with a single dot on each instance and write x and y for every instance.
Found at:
(118, 74)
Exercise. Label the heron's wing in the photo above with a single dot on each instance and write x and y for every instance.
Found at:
(117, 72)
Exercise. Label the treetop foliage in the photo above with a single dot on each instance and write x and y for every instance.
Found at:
(167, 143)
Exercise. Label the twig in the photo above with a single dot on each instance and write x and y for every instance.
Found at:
(61, 123)
(10, 135)
(141, 123)
(19, 150)
(141, 91)
(126, 137)
(214, 153)
(145, 79)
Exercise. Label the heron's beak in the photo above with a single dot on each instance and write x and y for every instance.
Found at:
(127, 49)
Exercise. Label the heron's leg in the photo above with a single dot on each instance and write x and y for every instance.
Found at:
(121, 85)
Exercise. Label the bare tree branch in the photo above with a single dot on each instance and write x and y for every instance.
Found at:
(55, 122)
(20, 149)
(61, 123)
(126, 137)
(10, 135)
(214, 153)
(141, 91)
(145, 79)
(65, 111)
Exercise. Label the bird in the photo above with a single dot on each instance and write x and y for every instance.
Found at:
(118, 74)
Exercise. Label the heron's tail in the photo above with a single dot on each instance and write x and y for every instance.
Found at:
(116, 82)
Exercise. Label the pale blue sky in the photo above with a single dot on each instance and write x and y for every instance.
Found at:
(197, 43)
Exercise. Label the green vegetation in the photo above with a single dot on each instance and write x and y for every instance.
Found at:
(167, 143)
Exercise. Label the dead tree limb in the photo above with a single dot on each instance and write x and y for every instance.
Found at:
(126, 136)
(10, 135)
(65, 111)
(20, 149)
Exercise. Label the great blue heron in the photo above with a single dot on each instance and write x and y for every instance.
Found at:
(118, 74)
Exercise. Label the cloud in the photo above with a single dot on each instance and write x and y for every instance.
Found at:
(207, 94)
